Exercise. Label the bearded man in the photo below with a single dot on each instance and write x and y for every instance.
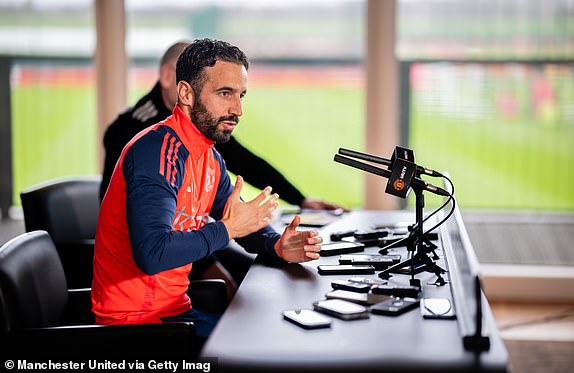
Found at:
(169, 181)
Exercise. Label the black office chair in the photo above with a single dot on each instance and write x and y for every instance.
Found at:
(40, 317)
(68, 210)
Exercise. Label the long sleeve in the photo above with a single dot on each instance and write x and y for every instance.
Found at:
(151, 202)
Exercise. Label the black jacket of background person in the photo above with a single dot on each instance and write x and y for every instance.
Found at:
(150, 109)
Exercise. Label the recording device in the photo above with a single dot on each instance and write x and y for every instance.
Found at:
(345, 269)
(368, 242)
(396, 290)
(437, 308)
(365, 299)
(390, 241)
(370, 237)
(368, 281)
(415, 181)
(342, 309)
(395, 229)
(338, 248)
(366, 259)
(394, 306)
(350, 286)
(378, 261)
(307, 319)
(370, 234)
(338, 236)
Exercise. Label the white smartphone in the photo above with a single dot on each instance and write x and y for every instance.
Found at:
(307, 319)
(342, 309)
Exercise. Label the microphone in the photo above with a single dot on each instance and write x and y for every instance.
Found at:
(365, 157)
(416, 182)
(399, 153)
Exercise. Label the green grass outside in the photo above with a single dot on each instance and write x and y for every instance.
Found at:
(494, 163)
(53, 134)
(296, 130)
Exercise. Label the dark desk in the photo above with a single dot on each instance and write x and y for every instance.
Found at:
(252, 335)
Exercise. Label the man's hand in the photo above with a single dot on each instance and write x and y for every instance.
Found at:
(298, 246)
(317, 204)
(242, 218)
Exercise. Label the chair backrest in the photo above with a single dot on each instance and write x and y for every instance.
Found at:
(33, 289)
(66, 208)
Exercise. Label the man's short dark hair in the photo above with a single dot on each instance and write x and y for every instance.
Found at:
(203, 53)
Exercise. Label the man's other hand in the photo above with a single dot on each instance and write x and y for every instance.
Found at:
(298, 246)
(243, 218)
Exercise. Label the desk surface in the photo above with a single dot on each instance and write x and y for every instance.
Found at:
(252, 334)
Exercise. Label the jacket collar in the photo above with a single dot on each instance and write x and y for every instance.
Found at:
(196, 142)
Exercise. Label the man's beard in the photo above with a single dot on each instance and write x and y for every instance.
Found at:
(207, 125)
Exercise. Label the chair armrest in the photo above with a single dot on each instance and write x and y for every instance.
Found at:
(208, 295)
(78, 310)
(77, 258)
(87, 243)
(106, 341)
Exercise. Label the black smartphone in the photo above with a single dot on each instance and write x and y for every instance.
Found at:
(345, 269)
(370, 234)
(396, 290)
(343, 247)
(366, 299)
(350, 286)
(307, 319)
(338, 236)
(368, 281)
(394, 306)
(342, 309)
(368, 242)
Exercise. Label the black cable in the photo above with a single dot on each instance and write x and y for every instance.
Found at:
(414, 226)
(451, 198)
(446, 217)
(446, 202)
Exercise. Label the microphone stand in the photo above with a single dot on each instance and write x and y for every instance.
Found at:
(419, 250)
(419, 261)
(409, 242)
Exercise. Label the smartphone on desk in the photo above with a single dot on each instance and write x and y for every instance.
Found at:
(307, 319)
(366, 299)
(371, 234)
(397, 290)
(376, 260)
(342, 247)
(368, 281)
(394, 306)
(350, 286)
(342, 309)
(345, 269)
